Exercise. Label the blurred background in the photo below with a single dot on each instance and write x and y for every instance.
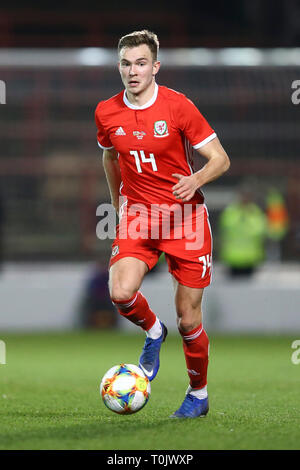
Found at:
(238, 61)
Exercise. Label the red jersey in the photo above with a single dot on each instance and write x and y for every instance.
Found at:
(153, 142)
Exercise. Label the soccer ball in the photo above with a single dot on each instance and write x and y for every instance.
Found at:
(125, 389)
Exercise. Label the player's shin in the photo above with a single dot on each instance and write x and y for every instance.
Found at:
(137, 310)
(196, 348)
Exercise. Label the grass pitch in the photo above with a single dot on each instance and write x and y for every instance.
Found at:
(49, 394)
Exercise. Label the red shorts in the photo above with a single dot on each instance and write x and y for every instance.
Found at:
(187, 244)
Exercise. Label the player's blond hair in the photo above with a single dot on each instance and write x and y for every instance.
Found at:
(137, 38)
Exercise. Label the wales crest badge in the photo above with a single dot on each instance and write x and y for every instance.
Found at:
(161, 129)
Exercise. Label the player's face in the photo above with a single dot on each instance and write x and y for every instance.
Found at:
(137, 68)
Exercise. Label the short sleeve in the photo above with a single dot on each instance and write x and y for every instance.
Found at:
(102, 136)
(194, 126)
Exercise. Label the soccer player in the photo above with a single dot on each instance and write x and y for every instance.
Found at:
(146, 132)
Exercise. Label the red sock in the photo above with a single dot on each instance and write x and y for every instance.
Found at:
(136, 310)
(195, 347)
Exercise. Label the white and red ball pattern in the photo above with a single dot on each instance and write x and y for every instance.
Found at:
(125, 389)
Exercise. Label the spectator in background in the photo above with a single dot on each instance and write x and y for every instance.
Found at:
(242, 234)
(278, 223)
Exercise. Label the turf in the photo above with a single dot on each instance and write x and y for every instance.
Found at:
(49, 396)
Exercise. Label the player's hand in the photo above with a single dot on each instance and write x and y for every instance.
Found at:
(185, 188)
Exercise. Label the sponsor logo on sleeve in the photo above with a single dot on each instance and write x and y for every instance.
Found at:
(115, 250)
(120, 131)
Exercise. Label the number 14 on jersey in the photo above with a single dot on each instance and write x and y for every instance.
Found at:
(140, 157)
(206, 263)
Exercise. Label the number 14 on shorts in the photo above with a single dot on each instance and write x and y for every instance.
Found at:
(206, 263)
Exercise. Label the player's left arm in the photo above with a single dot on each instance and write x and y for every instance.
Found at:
(218, 163)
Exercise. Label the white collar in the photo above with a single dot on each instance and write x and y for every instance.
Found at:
(146, 105)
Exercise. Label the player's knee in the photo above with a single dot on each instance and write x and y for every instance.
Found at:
(121, 292)
(185, 325)
(188, 318)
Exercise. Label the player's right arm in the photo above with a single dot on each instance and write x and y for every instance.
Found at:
(110, 158)
(113, 175)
